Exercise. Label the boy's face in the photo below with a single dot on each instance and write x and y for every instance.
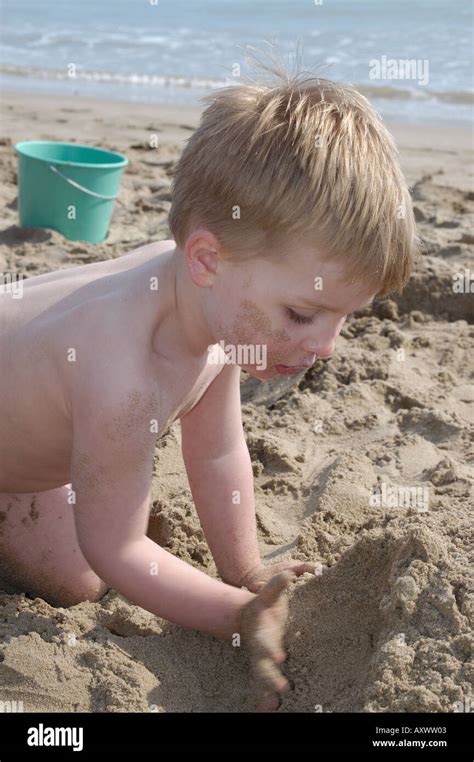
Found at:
(290, 311)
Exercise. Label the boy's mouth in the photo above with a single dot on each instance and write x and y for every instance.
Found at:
(284, 370)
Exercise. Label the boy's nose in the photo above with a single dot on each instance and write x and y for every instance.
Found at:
(323, 344)
(321, 348)
(326, 351)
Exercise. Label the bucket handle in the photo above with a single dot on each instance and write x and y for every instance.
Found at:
(81, 187)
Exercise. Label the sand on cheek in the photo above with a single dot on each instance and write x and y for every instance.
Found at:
(253, 325)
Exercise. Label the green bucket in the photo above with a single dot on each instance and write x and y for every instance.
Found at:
(68, 187)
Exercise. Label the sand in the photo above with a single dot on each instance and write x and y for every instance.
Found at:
(386, 624)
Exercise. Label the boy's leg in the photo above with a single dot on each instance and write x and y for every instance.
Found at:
(39, 551)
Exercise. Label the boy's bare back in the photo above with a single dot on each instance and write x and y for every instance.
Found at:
(89, 335)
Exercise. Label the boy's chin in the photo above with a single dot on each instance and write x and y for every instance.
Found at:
(257, 372)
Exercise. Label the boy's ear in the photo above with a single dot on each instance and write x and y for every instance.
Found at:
(202, 254)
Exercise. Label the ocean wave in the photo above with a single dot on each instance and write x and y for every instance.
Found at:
(148, 80)
(461, 97)
(384, 92)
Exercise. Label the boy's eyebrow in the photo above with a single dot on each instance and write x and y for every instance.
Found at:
(330, 309)
(318, 305)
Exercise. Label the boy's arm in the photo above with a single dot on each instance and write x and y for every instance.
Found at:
(111, 471)
(220, 476)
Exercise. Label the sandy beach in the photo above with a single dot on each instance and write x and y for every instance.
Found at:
(386, 626)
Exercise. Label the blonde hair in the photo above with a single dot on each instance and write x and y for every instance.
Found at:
(297, 155)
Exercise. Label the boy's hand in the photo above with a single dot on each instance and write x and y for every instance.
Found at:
(257, 578)
(262, 625)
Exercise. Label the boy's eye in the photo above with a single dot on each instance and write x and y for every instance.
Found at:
(299, 318)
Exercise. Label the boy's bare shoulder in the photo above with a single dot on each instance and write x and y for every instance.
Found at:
(111, 382)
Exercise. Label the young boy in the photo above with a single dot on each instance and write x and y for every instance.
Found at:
(289, 212)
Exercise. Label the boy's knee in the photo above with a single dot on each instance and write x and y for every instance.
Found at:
(103, 590)
(79, 593)
(93, 593)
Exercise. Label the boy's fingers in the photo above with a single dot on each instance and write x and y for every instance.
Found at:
(305, 567)
(274, 651)
(270, 678)
(274, 587)
(268, 702)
